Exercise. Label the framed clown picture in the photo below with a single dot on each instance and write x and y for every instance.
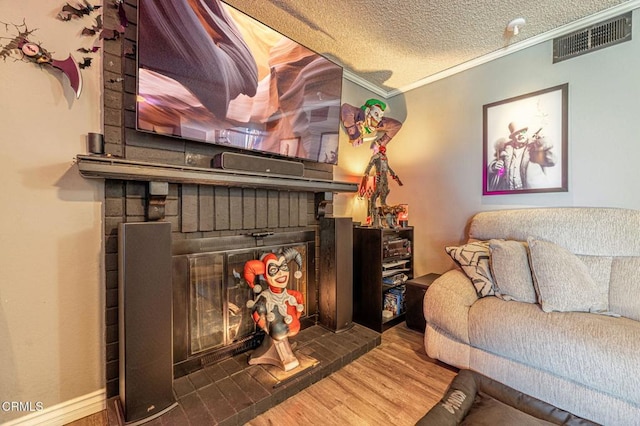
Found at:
(525, 143)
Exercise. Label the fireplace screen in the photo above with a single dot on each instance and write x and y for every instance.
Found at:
(217, 313)
(214, 315)
(205, 314)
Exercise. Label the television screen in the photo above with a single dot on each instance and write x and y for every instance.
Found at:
(208, 72)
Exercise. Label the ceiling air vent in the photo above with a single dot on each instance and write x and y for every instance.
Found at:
(604, 34)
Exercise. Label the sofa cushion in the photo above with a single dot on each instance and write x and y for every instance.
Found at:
(511, 272)
(562, 281)
(599, 268)
(624, 293)
(597, 351)
(473, 258)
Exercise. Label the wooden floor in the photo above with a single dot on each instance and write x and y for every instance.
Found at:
(396, 383)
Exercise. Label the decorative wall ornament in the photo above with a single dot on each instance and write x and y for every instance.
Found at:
(21, 47)
(29, 51)
(368, 122)
(68, 12)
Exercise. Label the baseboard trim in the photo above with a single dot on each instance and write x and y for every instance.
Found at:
(65, 412)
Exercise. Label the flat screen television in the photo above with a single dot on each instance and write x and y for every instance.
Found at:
(210, 73)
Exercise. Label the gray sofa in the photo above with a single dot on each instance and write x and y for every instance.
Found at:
(547, 301)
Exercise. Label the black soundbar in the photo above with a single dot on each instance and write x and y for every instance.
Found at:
(251, 163)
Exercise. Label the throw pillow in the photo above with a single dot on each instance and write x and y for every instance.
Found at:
(511, 271)
(473, 258)
(562, 280)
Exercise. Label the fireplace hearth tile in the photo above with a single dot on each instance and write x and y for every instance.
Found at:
(232, 392)
(183, 387)
(218, 406)
(246, 381)
(196, 410)
(234, 364)
(236, 396)
(261, 376)
(199, 379)
(177, 416)
(333, 344)
(215, 372)
(324, 355)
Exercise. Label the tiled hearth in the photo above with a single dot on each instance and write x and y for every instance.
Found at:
(231, 392)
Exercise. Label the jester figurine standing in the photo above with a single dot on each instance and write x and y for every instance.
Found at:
(369, 122)
(381, 189)
(276, 310)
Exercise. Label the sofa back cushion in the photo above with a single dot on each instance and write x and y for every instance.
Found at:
(607, 240)
(624, 291)
(588, 231)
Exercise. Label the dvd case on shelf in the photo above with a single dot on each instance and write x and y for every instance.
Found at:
(394, 300)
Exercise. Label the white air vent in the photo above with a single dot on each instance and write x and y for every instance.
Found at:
(604, 34)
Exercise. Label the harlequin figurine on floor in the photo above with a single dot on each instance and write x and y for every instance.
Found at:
(276, 310)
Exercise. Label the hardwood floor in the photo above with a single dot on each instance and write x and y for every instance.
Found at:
(396, 383)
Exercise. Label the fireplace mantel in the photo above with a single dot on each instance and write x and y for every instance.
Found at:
(106, 167)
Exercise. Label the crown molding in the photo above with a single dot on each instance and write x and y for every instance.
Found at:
(515, 47)
(354, 78)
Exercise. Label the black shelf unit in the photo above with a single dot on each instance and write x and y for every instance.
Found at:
(379, 253)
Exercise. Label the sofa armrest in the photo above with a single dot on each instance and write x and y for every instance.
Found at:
(447, 302)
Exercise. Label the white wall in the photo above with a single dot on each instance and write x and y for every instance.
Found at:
(438, 152)
(51, 286)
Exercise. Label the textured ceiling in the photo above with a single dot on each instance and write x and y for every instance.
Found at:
(393, 45)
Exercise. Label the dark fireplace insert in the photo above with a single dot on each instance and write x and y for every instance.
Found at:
(210, 318)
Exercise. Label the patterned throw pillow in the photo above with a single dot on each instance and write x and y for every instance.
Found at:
(473, 258)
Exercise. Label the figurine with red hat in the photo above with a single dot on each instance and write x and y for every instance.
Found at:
(276, 310)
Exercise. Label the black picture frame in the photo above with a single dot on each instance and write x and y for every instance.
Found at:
(525, 141)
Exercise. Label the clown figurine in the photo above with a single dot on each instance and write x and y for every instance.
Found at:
(276, 310)
(366, 121)
(380, 163)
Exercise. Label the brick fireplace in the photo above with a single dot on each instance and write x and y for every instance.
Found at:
(223, 217)
(150, 177)
(232, 224)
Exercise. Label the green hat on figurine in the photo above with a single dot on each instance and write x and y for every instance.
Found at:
(371, 102)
